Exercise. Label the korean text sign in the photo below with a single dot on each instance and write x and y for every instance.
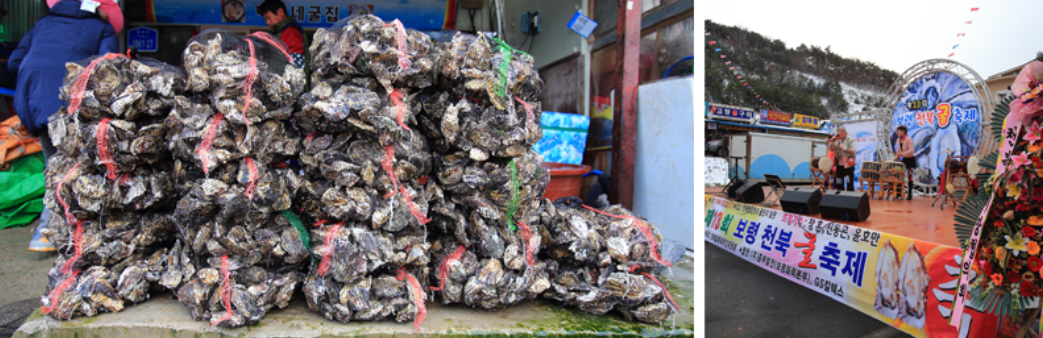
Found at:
(731, 113)
(904, 282)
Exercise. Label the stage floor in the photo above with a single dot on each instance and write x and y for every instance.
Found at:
(914, 219)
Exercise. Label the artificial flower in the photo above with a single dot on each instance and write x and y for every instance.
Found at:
(1026, 289)
(1020, 160)
(1029, 231)
(1035, 148)
(1012, 277)
(1033, 248)
(1013, 190)
(1009, 215)
(1028, 277)
(1016, 243)
(1035, 263)
(997, 279)
(1032, 134)
(1001, 257)
(1015, 176)
(1021, 208)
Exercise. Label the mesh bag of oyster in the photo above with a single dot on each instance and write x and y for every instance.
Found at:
(369, 216)
(360, 48)
(106, 254)
(600, 260)
(109, 184)
(487, 69)
(248, 79)
(115, 110)
(487, 235)
(240, 250)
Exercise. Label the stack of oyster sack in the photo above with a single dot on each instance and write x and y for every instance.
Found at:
(240, 249)
(416, 179)
(483, 119)
(364, 157)
(109, 186)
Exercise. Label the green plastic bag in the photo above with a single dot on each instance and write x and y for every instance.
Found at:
(21, 191)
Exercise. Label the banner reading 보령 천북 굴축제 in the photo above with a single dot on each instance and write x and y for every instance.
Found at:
(907, 283)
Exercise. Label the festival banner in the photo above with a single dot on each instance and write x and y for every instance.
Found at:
(943, 117)
(864, 134)
(906, 283)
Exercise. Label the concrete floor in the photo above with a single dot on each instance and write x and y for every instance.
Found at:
(23, 273)
(744, 300)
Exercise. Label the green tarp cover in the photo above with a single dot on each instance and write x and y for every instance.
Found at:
(21, 191)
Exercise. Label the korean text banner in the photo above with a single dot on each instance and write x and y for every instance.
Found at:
(424, 15)
(864, 134)
(776, 118)
(942, 114)
(723, 112)
(805, 121)
(906, 283)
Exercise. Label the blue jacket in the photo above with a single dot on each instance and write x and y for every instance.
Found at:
(63, 35)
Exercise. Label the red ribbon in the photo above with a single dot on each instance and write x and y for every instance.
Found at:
(528, 112)
(76, 95)
(388, 165)
(400, 35)
(327, 250)
(58, 193)
(400, 107)
(415, 210)
(208, 140)
(103, 149)
(226, 292)
(253, 178)
(251, 76)
(418, 296)
(443, 268)
(665, 292)
(526, 234)
(652, 243)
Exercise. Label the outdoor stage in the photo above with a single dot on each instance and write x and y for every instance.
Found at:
(915, 219)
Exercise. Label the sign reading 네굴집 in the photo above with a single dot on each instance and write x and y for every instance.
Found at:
(776, 118)
(143, 38)
(722, 112)
(906, 283)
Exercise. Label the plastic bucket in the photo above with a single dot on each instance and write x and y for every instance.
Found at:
(565, 179)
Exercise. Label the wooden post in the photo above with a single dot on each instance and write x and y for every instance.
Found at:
(624, 115)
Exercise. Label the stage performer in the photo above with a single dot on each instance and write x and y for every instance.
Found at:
(844, 149)
(904, 153)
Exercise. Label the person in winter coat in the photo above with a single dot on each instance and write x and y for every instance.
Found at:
(65, 34)
(287, 29)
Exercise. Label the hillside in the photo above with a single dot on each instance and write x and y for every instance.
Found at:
(803, 80)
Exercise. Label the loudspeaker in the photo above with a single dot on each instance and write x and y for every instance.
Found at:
(801, 200)
(845, 206)
(734, 187)
(750, 193)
